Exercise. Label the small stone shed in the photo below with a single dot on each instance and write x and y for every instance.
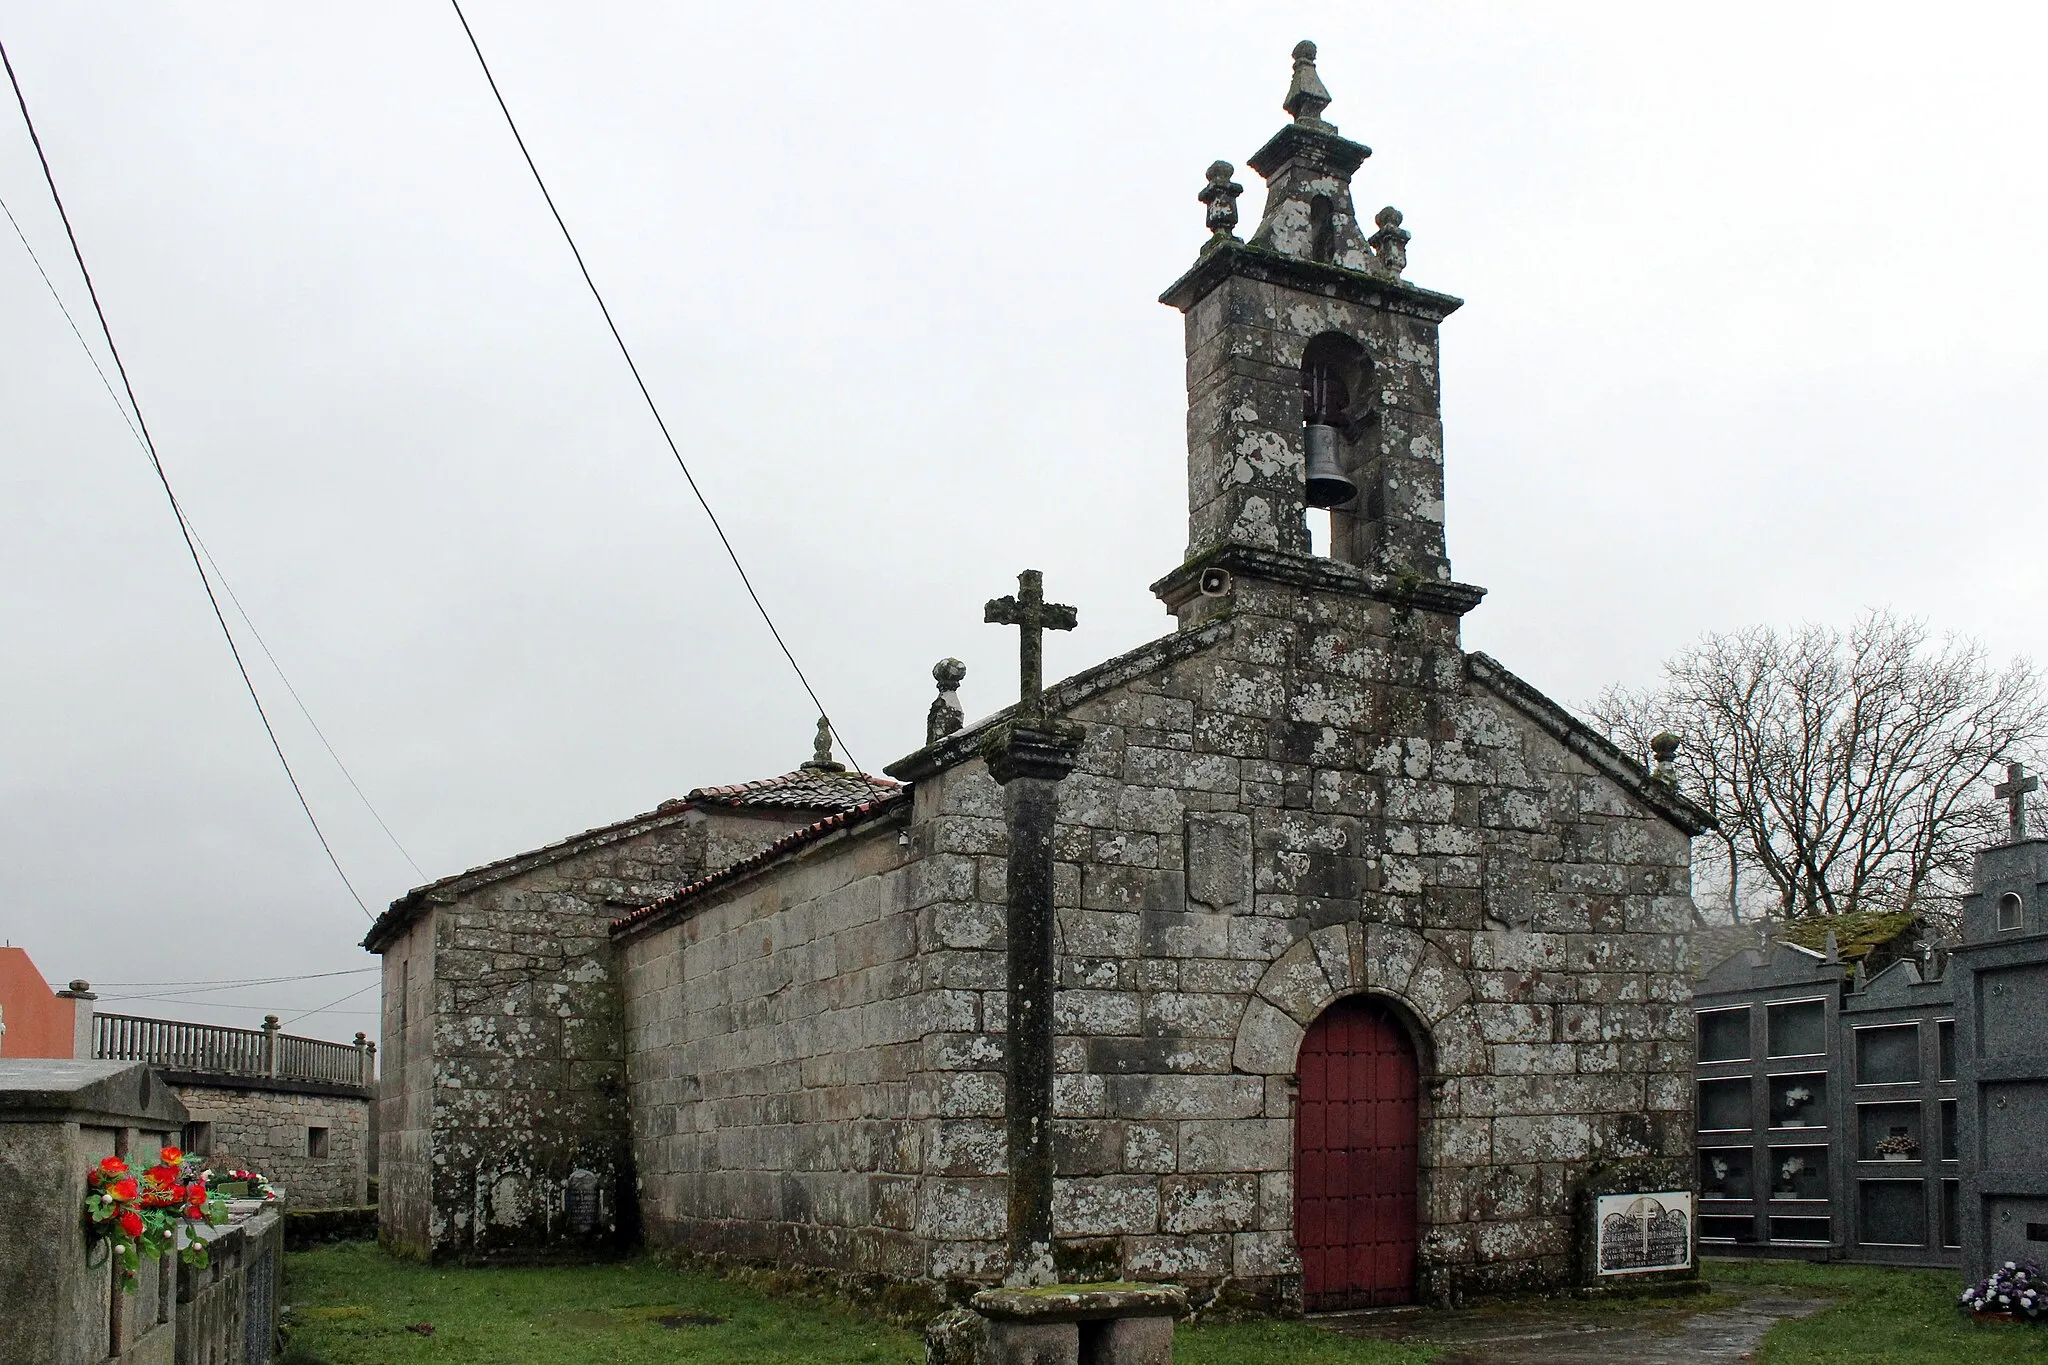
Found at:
(1368, 954)
(503, 1062)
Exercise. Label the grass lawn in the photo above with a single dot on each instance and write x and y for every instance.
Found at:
(1886, 1317)
(353, 1305)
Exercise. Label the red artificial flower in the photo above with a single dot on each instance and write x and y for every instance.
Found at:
(165, 1176)
(124, 1189)
(113, 1165)
(131, 1222)
(171, 1156)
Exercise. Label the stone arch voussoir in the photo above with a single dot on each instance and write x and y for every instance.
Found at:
(1384, 960)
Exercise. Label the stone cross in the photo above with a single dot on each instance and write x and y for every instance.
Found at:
(2013, 791)
(1029, 756)
(1034, 615)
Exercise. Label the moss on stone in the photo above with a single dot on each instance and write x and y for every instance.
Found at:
(1857, 934)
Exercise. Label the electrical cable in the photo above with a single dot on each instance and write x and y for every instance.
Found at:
(324, 1008)
(234, 982)
(212, 563)
(184, 530)
(624, 351)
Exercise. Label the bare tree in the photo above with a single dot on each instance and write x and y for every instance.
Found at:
(1847, 771)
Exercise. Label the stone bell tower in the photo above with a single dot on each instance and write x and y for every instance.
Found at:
(1312, 371)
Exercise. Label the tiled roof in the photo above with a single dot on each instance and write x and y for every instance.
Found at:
(859, 815)
(804, 789)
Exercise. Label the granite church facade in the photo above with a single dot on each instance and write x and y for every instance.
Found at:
(1363, 959)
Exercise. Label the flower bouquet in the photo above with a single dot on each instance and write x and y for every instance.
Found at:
(241, 1185)
(1898, 1147)
(133, 1216)
(1789, 1170)
(2015, 1290)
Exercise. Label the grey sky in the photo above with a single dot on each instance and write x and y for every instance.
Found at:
(1753, 334)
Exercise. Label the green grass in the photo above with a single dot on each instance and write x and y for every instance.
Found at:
(353, 1305)
(1886, 1317)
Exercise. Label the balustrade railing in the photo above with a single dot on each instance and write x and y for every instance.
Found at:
(224, 1051)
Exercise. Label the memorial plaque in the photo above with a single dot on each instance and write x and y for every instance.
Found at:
(1642, 1232)
(580, 1202)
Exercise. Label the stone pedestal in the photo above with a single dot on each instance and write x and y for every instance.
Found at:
(1071, 1324)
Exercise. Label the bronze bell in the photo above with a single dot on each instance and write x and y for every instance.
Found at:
(1327, 486)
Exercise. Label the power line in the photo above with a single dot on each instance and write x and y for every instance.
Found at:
(627, 353)
(324, 1008)
(211, 562)
(185, 1002)
(237, 981)
(184, 530)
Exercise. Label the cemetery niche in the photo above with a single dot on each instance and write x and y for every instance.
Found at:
(1895, 1115)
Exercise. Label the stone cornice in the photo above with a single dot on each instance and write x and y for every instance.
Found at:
(1044, 751)
(1061, 697)
(276, 1085)
(1314, 572)
(1323, 148)
(1310, 277)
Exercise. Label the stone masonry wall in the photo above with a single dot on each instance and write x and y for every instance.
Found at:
(405, 1093)
(519, 1068)
(1324, 799)
(1325, 803)
(266, 1131)
(772, 1035)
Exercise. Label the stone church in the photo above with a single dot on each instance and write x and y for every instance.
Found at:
(1299, 948)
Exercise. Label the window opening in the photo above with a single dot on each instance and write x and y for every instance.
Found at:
(316, 1142)
(2010, 911)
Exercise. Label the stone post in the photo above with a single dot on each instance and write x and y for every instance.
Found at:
(270, 1029)
(1029, 763)
(364, 1051)
(80, 994)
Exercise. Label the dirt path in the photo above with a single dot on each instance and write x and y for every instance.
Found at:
(1709, 1331)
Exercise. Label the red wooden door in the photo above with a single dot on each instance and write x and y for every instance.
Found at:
(1355, 1159)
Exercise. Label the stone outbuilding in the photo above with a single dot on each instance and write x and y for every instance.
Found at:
(503, 1080)
(1369, 959)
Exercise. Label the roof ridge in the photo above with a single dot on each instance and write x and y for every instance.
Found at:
(787, 843)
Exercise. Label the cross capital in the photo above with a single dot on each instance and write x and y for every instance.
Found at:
(2013, 791)
(1033, 615)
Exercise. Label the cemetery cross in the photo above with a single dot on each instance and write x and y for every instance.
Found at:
(1029, 756)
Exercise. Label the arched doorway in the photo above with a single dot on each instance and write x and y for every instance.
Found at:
(1355, 1158)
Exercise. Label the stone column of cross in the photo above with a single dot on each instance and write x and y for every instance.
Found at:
(1029, 757)
(2013, 791)
(1029, 611)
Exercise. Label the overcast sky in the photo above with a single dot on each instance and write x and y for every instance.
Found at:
(1753, 334)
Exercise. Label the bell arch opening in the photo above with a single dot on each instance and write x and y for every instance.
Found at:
(1358, 1156)
(1336, 409)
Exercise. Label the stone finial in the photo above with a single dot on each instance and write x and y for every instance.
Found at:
(820, 760)
(1390, 244)
(945, 715)
(1220, 194)
(1307, 96)
(1664, 748)
(1830, 950)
